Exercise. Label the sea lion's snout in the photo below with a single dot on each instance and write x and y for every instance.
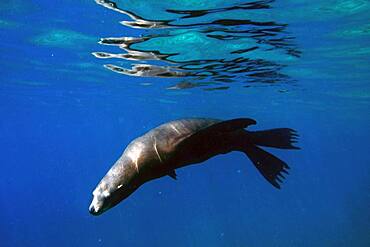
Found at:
(99, 203)
(92, 210)
(119, 182)
(95, 207)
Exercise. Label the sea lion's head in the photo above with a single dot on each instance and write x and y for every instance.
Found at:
(120, 182)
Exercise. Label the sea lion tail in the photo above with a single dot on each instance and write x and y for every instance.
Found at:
(271, 167)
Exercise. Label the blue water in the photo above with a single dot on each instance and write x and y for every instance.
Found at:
(66, 116)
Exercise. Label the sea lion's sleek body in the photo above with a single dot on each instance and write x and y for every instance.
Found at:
(179, 143)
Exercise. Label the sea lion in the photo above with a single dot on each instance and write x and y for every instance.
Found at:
(179, 143)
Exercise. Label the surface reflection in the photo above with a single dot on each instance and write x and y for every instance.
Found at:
(204, 47)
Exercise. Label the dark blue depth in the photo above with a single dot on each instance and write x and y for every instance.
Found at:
(65, 119)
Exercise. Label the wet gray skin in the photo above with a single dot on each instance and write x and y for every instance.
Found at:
(144, 159)
(183, 142)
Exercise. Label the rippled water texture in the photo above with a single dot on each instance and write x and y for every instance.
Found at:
(207, 43)
(216, 43)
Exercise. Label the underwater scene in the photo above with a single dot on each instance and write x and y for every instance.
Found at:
(185, 123)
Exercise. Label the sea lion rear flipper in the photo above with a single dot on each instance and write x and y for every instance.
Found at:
(283, 138)
(267, 164)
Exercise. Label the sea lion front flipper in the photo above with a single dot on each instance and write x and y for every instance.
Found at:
(216, 129)
(229, 125)
(172, 174)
